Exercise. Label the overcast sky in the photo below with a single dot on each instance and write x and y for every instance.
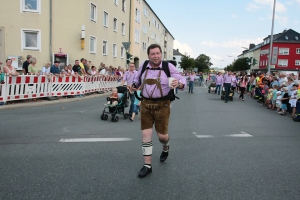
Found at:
(220, 28)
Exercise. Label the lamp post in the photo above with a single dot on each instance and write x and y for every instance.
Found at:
(271, 42)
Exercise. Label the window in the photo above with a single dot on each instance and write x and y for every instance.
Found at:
(297, 62)
(93, 12)
(282, 63)
(286, 37)
(114, 50)
(31, 6)
(104, 47)
(93, 44)
(123, 29)
(122, 52)
(124, 5)
(136, 35)
(31, 39)
(115, 24)
(116, 2)
(137, 15)
(144, 46)
(298, 51)
(296, 38)
(105, 19)
(145, 29)
(284, 51)
(145, 12)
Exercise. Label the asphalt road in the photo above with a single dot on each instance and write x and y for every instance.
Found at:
(238, 150)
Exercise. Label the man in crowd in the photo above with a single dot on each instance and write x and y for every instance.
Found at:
(26, 64)
(219, 83)
(55, 68)
(82, 65)
(227, 81)
(155, 104)
(129, 76)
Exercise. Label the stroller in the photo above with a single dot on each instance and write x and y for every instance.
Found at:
(230, 96)
(212, 87)
(117, 109)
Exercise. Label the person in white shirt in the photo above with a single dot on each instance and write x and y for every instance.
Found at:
(46, 69)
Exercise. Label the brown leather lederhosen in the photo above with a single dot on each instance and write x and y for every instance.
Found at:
(154, 110)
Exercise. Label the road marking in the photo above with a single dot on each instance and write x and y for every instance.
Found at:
(194, 133)
(204, 136)
(95, 140)
(242, 134)
(204, 85)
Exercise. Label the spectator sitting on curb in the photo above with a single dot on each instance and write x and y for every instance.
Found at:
(9, 69)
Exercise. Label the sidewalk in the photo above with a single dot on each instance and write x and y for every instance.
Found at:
(43, 102)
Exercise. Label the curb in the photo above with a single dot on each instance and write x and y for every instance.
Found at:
(29, 104)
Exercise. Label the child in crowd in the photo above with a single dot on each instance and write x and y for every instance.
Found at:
(113, 98)
(278, 101)
(293, 99)
(265, 92)
(274, 97)
(284, 100)
(269, 98)
(136, 105)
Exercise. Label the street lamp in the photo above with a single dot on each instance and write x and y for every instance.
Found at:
(271, 42)
(245, 48)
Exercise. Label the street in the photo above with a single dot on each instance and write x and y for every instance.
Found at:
(238, 150)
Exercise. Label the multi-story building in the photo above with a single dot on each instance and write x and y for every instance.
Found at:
(285, 53)
(177, 57)
(146, 29)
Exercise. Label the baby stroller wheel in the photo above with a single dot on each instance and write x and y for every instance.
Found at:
(102, 117)
(116, 118)
(222, 97)
(125, 116)
(105, 117)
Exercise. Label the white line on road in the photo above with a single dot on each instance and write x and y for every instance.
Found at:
(95, 140)
(243, 134)
(204, 136)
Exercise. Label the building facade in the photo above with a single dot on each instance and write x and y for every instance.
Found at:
(177, 57)
(66, 31)
(146, 29)
(285, 53)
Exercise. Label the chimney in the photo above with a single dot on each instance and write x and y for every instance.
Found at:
(178, 50)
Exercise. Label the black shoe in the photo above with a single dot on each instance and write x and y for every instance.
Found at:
(225, 101)
(164, 156)
(144, 172)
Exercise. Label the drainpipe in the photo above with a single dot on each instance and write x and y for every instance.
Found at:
(50, 33)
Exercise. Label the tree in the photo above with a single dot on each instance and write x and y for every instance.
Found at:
(187, 62)
(241, 64)
(202, 62)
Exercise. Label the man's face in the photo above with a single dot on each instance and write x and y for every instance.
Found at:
(131, 67)
(155, 56)
(56, 64)
(77, 63)
(8, 62)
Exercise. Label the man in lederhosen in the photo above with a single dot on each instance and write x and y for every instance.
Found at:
(155, 104)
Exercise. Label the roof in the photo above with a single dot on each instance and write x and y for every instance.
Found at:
(158, 18)
(176, 52)
(286, 36)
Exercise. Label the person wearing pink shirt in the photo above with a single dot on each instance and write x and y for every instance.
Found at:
(155, 103)
(191, 82)
(219, 83)
(227, 81)
(243, 86)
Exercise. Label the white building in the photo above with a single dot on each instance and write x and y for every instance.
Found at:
(177, 57)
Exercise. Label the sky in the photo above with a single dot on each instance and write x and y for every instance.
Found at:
(222, 29)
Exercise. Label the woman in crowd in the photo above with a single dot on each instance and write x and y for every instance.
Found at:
(32, 68)
(46, 69)
(9, 69)
(94, 71)
(243, 86)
